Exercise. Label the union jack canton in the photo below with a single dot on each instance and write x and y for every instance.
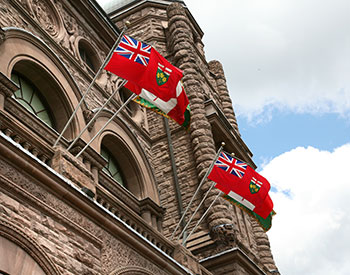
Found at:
(231, 165)
(134, 50)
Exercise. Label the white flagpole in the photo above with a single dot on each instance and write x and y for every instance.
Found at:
(199, 186)
(93, 82)
(200, 220)
(104, 126)
(99, 111)
(195, 212)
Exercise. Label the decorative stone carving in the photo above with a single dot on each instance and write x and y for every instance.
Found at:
(7, 18)
(117, 258)
(45, 15)
(71, 33)
(131, 270)
(224, 233)
(88, 115)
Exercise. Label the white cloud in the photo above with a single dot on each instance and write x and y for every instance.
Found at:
(310, 233)
(291, 54)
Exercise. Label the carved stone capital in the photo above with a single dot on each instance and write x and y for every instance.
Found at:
(224, 233)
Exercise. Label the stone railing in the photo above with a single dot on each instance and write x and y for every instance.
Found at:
(144, 216)
(24, 137)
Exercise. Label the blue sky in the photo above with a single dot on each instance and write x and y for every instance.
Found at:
(287, 130)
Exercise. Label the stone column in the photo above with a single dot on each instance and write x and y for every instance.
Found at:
(181, 45)
(263, 246)
(218, 71)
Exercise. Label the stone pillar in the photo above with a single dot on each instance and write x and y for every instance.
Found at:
(216, 68)
(263, 246)
(182, 46)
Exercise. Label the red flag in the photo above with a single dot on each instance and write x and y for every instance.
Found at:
(174, 108)
(238, 180)
(142, 65)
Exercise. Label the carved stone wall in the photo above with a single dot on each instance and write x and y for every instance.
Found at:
(72, 241)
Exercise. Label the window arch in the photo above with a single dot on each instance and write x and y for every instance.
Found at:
(130, 154)
(32, 99)
(122, 165)
(41, 95)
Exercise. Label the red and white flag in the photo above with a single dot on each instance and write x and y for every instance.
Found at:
(150, 76)
(239, 181)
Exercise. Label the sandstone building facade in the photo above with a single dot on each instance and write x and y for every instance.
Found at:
(113, 209)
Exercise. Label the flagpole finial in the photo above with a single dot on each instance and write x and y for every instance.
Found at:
(233, 154)
(127, 23)
(222, 144)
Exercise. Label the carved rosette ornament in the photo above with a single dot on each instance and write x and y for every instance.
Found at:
(46, 15)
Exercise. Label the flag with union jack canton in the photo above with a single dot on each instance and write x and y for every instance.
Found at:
(242, 183)
(231, 165)
(134, 50)
(150, 73)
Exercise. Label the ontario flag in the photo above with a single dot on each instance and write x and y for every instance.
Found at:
(244, 187)
(150, 76)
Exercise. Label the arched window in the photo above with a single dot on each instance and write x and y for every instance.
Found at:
(42, 95)
(88, 55)
(112, 168)
(32, 99)
(86, 58)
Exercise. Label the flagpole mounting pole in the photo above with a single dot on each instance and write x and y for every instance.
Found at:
(199, 186)
(127, 24)
(105, 125)
(200, 220)
(95, 116)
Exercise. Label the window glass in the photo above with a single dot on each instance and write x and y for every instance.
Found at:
(30, 97)
(112, 168)
(86, 58)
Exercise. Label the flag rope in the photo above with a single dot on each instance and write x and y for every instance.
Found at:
(95, 116)
(200, 220)
(105, 125)
(199, 186)
(108, 57)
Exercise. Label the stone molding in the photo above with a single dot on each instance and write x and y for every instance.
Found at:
(131, 270)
